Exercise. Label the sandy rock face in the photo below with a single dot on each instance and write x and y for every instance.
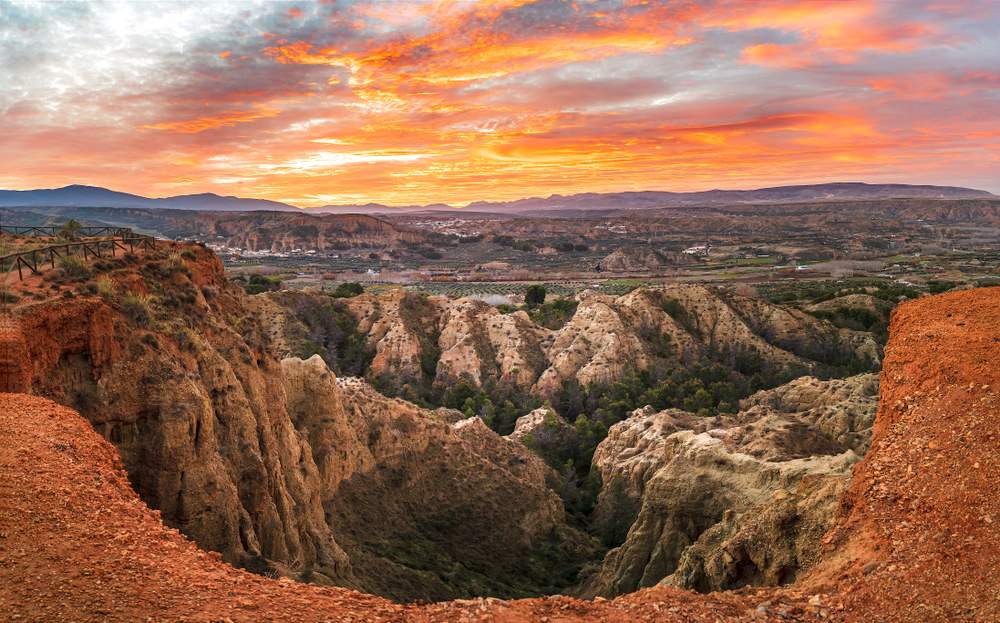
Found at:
(842, 410)
(768, 545)
(285, 468)
(437, 340)
(701, 502)
(202, 432)
(595, 347)
(632, 260)
(545, 432)
(410, 495)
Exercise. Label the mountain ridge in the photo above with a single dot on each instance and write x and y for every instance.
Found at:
(78, 195)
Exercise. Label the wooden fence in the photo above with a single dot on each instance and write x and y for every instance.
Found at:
(86, 231)
(35, 259)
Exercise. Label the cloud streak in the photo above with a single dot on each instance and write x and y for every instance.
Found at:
(458, 101)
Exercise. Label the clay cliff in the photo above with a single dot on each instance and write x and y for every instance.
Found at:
(638, 260)
(719, 503)
(415, 338)
(168, 362)
(426, 506)
(268, 231)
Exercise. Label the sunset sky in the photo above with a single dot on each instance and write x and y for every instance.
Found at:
(416, 102)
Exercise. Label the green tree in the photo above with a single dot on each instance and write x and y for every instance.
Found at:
(348, 289)
(70, 230)
(534, 295)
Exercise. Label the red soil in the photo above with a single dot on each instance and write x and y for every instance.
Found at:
(919, 539)
(15, 368)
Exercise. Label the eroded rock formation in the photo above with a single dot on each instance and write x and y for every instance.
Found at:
(716, 503)
(416, 338)
(282, 467)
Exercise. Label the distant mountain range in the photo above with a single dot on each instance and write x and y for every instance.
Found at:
(96, 197)
(93, 196)
(650, 199)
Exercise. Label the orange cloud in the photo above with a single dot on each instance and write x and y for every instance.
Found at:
(225, 119)
(458, 101)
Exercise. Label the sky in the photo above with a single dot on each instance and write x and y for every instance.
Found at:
(407, 102)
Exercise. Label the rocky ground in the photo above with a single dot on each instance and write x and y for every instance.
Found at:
(915, 536)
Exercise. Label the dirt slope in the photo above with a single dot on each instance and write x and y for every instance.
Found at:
(76, 543)
(918, 539)
(922, 516)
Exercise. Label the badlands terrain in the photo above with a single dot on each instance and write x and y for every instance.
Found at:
(283, 468)
(253, 425)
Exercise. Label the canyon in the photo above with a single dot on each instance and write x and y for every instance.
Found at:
(912, 535)
(237, 418)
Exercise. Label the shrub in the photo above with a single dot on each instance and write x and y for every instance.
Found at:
(937, 287)
(138, 307)
(534, 295)
(554, 314)
(106, 288)
(348, 290)
(175, 263)
(73, 267)
(185, 340)
(188, 254)
(70, 230)
(262, 283)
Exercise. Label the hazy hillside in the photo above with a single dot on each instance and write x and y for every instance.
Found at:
(77, 195)
(91, 196)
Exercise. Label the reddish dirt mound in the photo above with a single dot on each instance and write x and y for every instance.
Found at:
(918, 539)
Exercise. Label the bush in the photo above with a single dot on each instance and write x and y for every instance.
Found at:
(554, 314)
(73, 267)
(534, 295)
(175, 263)
(70, 230)
(262, 283)
(937, 287)
(347, 290)
(106, 288)
(138, 307)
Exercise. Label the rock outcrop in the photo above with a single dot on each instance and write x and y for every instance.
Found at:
(916, 536)
(699, 502)
(283, 468)
(632, 260)
(415, 338)
(425, 507)
(547, 434)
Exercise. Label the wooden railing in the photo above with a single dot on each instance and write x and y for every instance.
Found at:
(87, 231)
(34, 260)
